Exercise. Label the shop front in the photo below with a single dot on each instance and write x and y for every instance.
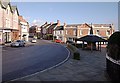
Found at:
(0, 36)
(6, 36)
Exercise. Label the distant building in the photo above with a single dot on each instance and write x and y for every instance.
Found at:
(23, 29)
(35, 31)
(59, 33)
(48, 30)
(72, 31)
(44, 30)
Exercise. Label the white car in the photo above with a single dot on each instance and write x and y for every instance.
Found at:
(34, 40)
(18, 43)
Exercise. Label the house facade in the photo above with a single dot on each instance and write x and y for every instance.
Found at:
(44, 30)
(15, 23)
(35, 31)
(23, 29)
(48, 30)
(1, 22)
(73, 31)
(59, 33)
(103, 30)
(8, 22)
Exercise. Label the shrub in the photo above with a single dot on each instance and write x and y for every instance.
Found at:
(73, 48)
(113, 51)
(113, 48)
(76, 55)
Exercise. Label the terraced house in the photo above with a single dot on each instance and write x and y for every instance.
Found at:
(35, 31)
(8, 22)
(48, 29)
(72, 31)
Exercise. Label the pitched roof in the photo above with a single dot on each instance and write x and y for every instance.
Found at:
(0, 2)
(104, 25)
(53, 26)
(45, 26)
(59, 28)
(73, 25)
(89, 25)
(14, 8)
(34, 27)
(91, 38)
(5, 3)
(22, 19)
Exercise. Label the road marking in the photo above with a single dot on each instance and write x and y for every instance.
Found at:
(45, 69)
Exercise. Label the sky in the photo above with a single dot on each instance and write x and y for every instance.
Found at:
(69, 12)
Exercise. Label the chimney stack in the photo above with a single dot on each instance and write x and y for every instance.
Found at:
(58, 21)
(64, 24)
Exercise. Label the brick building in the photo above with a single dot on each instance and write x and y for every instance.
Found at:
(48, 30)
(72, 31)
(35, 31)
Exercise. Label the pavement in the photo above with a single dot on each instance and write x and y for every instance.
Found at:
(90, 67)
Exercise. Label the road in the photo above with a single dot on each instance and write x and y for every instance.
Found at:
(19, 62)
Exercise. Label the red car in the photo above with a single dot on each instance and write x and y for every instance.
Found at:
(58, 41)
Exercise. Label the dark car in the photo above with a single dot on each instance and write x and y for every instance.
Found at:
(69, 42)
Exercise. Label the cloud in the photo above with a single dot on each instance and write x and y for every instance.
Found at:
(37, 22)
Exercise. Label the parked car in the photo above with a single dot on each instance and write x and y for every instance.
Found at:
(70, 42)
(34, 40)
(58, 41)
(18, 43)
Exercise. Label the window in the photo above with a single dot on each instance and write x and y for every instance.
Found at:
(108, 32)
(97, 32)
(60, 32)
(39, 29)
(74, 32)
(81, 32)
